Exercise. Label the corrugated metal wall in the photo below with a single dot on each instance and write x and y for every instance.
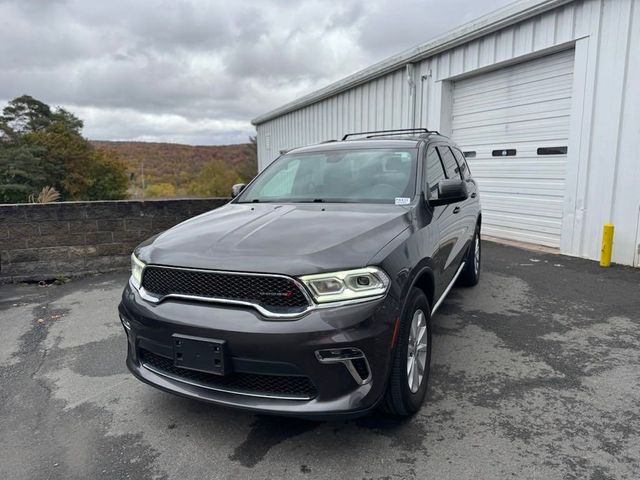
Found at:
(379, 104)
(606, 168)
(553, 30)
(603, 172)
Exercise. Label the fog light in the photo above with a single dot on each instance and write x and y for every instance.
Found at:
(352, 358)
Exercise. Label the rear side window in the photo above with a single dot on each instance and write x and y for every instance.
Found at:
(462, 163)
(435, 173)
(448, 161)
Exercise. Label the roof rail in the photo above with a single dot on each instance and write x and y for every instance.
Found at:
(401, 131)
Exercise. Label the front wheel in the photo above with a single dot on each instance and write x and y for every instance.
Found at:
(411, 358)
(470, 275)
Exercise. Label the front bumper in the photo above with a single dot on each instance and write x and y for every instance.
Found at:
(265, 348)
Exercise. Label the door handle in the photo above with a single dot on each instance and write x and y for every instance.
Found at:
(473, 195)
(456, 210)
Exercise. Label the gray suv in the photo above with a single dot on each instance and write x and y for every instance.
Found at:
(311, 292)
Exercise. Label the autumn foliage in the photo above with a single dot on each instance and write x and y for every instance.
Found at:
(164, 170)
(43, 147)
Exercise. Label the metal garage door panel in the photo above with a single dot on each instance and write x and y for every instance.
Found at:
(522, 107)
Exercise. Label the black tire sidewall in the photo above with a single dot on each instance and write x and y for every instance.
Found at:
(476, 237)
(469, 277)
(412, 401)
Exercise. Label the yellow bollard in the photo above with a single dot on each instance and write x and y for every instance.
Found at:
(607, 245)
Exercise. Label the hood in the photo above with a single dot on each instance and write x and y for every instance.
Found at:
(279, 238)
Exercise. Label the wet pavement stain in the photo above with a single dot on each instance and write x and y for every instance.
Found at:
(39, 437)
(406, 434)
(535, 375)
(267, 432)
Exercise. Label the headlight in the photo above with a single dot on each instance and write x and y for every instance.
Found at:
(137, 266)
(347, 285)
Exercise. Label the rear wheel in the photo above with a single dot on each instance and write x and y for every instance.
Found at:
(411, 358)
(471, 273)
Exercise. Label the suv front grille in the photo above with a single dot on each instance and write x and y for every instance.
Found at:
(274, 293)
(283, 386)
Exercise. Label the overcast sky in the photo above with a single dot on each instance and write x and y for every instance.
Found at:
(198, 71)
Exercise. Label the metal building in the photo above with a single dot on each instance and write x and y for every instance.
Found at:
(544, 98)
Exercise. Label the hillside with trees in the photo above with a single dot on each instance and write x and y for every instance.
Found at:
(169, 169)
(44, 157)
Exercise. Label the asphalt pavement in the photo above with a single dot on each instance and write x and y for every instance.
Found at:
(535, 375)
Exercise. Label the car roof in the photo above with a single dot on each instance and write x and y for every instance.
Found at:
(381, 141)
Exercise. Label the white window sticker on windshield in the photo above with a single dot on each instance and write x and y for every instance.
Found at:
(403, 201)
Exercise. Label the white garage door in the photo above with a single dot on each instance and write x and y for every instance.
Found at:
(513, 125)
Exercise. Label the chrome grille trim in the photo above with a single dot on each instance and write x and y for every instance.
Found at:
(150, 297)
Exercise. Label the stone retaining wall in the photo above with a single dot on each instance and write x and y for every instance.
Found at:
(47, 241)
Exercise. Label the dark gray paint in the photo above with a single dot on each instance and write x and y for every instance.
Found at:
(413, 244)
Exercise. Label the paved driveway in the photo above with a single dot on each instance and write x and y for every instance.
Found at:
(536, 375)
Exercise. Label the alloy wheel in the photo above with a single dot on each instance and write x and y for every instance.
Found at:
(417, 351)
(476, 256)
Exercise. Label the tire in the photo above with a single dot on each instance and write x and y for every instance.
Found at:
(403, 398)
(470, 275)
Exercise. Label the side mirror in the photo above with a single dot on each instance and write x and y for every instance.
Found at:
(450, 191)
(237, 189)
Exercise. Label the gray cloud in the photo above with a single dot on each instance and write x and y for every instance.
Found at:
(198, 71)
(389, 29)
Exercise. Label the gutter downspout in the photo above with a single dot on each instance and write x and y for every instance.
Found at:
(410, 72)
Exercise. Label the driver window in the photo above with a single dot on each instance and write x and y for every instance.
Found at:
(434, 174)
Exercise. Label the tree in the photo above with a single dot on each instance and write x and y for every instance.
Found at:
(67, 149)
(67, 119)
(249, 169)
(44, 147)
(23, 171)
(26, 114)
(214, 180)
(160, 190)
(109, 177)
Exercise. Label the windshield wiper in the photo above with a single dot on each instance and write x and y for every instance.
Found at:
(293, 200)
(257, 200)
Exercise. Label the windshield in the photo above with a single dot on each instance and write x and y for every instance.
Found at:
(359, 176)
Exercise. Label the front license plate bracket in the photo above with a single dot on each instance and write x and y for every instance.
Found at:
(200, 354)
